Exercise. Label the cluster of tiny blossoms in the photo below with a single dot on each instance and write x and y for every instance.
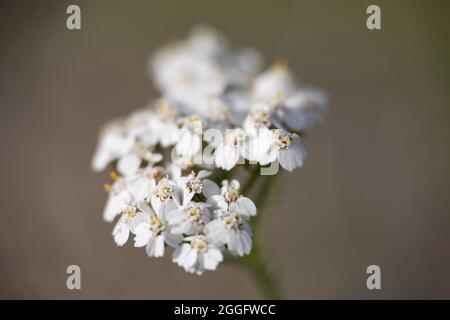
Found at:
(217, 109)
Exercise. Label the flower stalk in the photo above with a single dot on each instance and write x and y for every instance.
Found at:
(256, 262)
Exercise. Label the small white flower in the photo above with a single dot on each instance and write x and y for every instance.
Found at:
(284, 147)
(197, 255)
(142, 185)
(189, 218)
(114, 142)
(119, 198)
(232, 229)
(259, 145)
(193, 183)
(257, 119)
(130, 163)
(302, 110)
(127, 222)
(275, 82)
(217, 112)
(230, 149)
(298, 108)
(229, 194)
(138, 126)
(154, 232)
(164, 125)
(162, 192)
(190, 141)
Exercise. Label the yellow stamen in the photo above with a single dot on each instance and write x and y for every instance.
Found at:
(114, 176)
(107, 187)
(278, 94)
(280, 64)
(162, 107)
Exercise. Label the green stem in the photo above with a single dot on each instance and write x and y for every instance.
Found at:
(255, 261)
(254, 177)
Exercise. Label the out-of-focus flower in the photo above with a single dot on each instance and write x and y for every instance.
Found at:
(230, 149)
(114, 142)
(190, 136)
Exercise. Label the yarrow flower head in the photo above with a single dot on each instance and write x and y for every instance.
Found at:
(218, 113)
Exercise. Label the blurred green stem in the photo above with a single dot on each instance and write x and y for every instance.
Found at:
(255, 262)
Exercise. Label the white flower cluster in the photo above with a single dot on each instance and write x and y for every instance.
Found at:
(213, 97)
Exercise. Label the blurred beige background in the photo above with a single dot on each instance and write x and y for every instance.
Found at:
(374, 191)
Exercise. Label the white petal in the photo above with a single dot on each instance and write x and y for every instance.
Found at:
(218, 202)
(249, 127)
(203, 174)
(217, 232)
(141, 188)
(239, 243)
(183, 227)
(211, 258)
(191, 258)
(293, 156)
(198, 268)
(304, 109)
(128, 164)
(179, 255)
(235, 184)
(270, 157)
(226, 156)
(111, 146)
(138, 219)
(169, 137)
(115, 205)
(154, 157)
(159, 246)
(155, 202)
(247, 242)
(121, 233)
(234, 244)
(245, 206)
(172, 239)
(150, 247)
(144, 207)
(178, 195)
(142, 235)
(100, 160)
(176, 216)
(210, 188)
(174, 171)
(166, 207)
(189, 144)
